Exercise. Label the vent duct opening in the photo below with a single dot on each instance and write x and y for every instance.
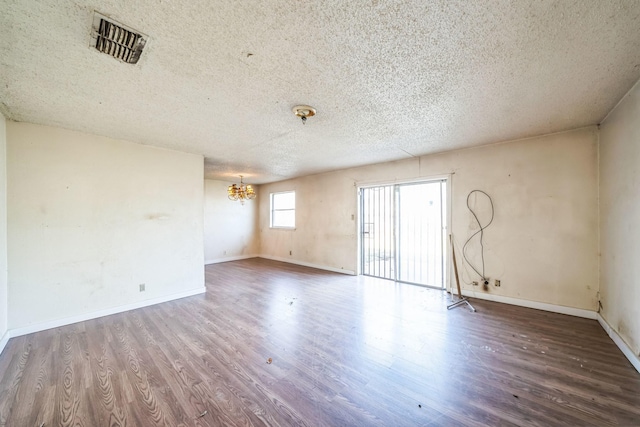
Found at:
(117, 40)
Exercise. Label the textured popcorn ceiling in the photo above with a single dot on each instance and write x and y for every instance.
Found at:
(390, 79)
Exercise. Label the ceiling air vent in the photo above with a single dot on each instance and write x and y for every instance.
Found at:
(117, 40)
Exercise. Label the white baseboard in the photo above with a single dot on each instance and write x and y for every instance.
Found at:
(230, 258)
(100, 313)
(308, 264)
(579, 312)
(4, 340)
(626, 350)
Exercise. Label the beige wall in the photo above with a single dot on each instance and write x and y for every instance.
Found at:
(543, 243)
(91, 218)
(619, 219)
(3, 229)
(230, 228)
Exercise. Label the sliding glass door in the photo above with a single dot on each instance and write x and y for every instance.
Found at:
(403, 232)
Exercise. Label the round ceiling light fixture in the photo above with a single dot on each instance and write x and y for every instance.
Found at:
(304, 111)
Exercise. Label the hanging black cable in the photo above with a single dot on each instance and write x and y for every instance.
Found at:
(480, 231)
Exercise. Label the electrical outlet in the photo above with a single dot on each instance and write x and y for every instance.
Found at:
(474, 283)
(290, 252)
(141, 287)
(496, 282)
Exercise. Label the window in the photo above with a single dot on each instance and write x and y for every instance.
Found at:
(283, 209)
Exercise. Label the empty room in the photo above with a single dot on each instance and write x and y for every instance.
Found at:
(382, 213)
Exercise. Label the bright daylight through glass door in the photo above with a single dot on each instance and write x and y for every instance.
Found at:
(403, 232)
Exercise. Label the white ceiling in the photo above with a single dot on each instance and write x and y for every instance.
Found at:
(390, 79)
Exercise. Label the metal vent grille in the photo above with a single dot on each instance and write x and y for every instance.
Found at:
(116, 40)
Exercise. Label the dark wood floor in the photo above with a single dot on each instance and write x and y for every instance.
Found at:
(344, 351)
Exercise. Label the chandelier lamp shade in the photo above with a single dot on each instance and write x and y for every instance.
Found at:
(241, 192)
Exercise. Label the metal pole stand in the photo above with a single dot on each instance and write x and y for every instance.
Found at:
(463, 300)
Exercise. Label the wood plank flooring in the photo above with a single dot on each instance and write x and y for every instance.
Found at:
(344, 350)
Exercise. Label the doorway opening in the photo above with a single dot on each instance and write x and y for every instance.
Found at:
(403, 230)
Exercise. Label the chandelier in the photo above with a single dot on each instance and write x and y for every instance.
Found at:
(241, 192)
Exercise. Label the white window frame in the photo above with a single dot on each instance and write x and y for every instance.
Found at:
(272, 209)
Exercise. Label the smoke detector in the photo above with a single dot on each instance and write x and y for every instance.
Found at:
(304, 111)
(117, 40)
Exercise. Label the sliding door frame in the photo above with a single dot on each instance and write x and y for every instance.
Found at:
(447, 246)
